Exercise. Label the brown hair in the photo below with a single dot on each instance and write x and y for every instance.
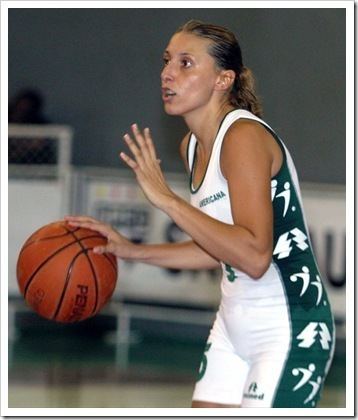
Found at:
(226, 52)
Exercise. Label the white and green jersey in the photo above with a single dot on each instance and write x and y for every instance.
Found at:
(289, 302)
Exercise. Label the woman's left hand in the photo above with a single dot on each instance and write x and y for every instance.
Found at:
(146, 166)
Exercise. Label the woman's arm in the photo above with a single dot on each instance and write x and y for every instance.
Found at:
(246, 162)
(182, 255)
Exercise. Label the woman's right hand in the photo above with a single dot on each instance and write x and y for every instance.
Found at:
(117, 244)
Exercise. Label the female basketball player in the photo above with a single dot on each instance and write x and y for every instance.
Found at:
(273, 338)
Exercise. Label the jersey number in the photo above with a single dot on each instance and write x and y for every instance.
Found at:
(230, 273)
(204, 362)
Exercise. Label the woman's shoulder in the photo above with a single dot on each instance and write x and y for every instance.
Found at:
(246, 130)
(249, 140)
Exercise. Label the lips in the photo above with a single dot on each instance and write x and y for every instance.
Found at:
(167, 93)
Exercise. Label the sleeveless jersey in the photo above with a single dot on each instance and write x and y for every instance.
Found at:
(292, 279)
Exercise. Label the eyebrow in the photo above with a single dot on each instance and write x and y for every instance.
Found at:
(181, 54)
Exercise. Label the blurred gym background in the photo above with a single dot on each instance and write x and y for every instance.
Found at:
(78, 78)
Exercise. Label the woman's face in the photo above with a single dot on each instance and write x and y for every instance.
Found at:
(189, 74)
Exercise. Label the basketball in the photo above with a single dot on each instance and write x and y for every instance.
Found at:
(59, 275)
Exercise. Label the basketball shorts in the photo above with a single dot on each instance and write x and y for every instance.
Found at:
(253, 357)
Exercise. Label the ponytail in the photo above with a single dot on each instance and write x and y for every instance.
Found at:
(243, 93)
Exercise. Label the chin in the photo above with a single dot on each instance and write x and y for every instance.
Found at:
(172, 111)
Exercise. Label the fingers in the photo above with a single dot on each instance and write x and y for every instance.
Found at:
(93, 224)
(149, 143)
(89, 223)
(99, 249)
(110, 248)
(136, 151)
(79, 219)
(130, 162)
(138, 136)
(142, 148)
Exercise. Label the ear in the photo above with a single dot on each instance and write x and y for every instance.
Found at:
(225, 80)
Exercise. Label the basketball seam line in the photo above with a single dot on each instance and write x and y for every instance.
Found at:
(49, 258)
(64, 289)
(92, 269)
(47, 238)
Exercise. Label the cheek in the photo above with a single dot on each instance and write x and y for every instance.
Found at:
(193, 92)
(198, 88)
(199, 82)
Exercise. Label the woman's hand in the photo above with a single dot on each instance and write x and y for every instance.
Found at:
(117, 244)
(146, 166)
(181, 256)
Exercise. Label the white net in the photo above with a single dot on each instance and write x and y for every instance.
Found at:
(39, 183)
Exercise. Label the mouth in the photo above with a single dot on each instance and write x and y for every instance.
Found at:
(167, 94)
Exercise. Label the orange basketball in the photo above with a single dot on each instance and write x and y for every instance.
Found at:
(59, 275)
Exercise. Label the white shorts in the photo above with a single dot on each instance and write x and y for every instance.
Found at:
(249, 359)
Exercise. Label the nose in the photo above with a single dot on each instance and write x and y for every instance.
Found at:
(167, 74)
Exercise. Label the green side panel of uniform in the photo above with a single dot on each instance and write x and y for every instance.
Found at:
(312, 326)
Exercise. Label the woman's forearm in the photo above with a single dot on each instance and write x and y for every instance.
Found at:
(231, 244)
(180, 255)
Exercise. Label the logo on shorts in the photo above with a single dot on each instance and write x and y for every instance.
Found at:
(305, 279)
(253, 392)
(230, 273)
(204, 362)
(315, 331)
(306, 378)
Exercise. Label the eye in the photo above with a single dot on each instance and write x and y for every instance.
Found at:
(186, 63)
(165, 61)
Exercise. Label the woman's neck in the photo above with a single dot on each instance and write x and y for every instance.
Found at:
(204, 124)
